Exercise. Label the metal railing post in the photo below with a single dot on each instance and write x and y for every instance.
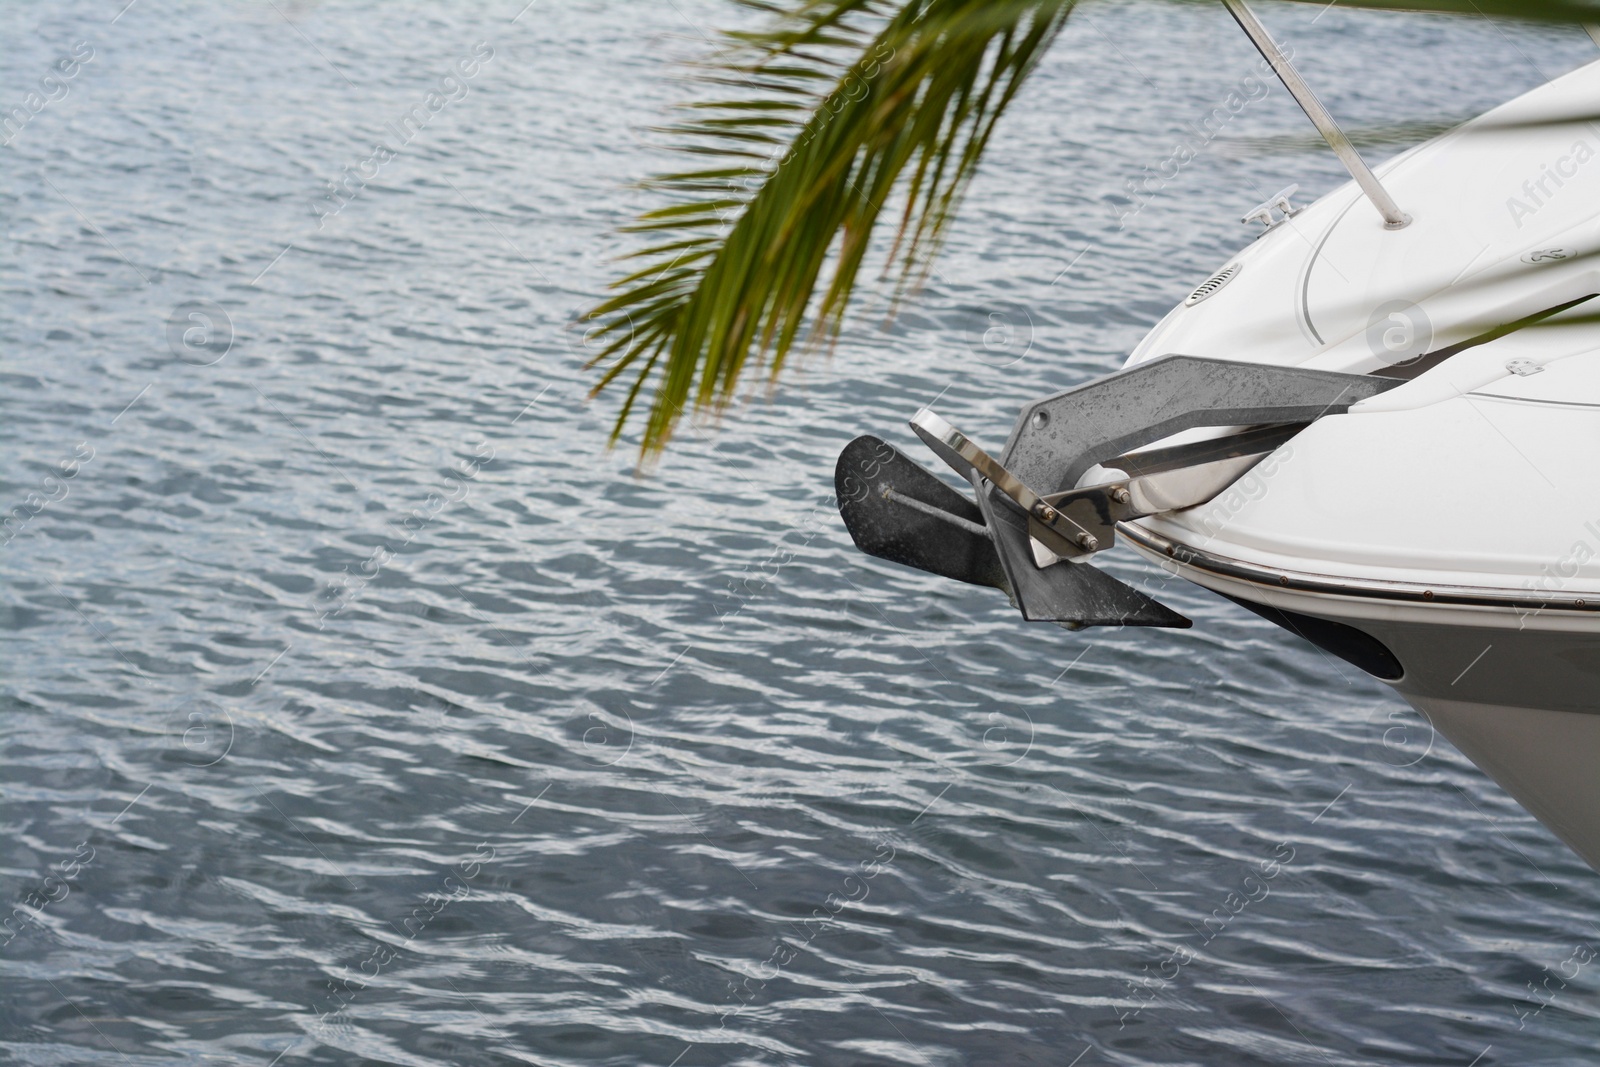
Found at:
(1393, 217)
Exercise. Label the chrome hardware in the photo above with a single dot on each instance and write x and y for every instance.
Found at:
(1279, 201)
(1055, 531)
(1393, 217)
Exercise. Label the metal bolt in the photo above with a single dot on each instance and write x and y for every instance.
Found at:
(1047, 513)
(1120, 494)
(1088, 541)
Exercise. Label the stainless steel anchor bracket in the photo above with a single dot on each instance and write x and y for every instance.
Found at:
(1035, 513)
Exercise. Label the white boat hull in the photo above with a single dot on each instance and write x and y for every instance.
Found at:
(1548, 760)
(1454, 520)
(1516, 688)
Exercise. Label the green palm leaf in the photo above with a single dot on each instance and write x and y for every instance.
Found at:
(849, 102)
(838, 107)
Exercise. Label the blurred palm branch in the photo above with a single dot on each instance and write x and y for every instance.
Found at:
(827, 114)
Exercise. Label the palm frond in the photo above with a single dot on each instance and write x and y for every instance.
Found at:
(834, 108)
(846, 105)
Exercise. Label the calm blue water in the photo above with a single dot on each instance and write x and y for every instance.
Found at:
(360, 707)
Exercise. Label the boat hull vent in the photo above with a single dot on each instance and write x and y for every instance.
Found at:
(1210, 286)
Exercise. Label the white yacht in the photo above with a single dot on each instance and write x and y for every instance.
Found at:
(1377, 425)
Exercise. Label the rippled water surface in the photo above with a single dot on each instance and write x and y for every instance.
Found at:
(360, 707)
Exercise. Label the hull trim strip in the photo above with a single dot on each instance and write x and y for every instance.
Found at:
(1370, 588)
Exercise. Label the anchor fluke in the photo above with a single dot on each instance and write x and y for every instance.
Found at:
(897, 510)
